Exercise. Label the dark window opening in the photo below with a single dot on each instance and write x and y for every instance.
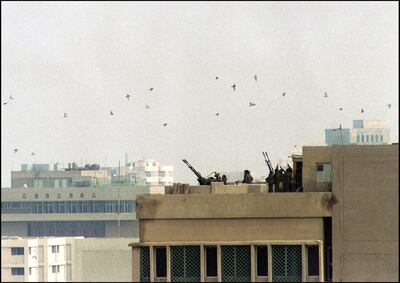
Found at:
(262, 261)
(328, 249)
(211, 261)
(161, 262)
(313, 260)
(17, 271)
(17, 251)
(320, 167)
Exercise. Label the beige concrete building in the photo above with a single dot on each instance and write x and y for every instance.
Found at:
(46, 176)
(76, 211)
(342, 227)
(65, 259)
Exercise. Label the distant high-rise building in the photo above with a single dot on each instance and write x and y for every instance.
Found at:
(365, 131)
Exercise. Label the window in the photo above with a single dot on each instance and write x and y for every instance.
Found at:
(82, 195)
(372, 138)
(211, 261)
(93, 195)
(148, 174)
(30, 270)
(47, 195)
(313, 260)
(17, 251)
(36, 196)
(71, 195)
(262, 260)
(24, 195)
(362, 138)
(358, 138)
(55, 249)
(323, 172)
(17, 271)
(58, 195)
(367, 137)
(381, 138)
(161, 262)
(55, 268)
(376, 138)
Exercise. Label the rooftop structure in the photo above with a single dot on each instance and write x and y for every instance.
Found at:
(244, 233)
(52, 176)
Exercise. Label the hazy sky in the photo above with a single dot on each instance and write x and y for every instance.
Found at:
(82, 58)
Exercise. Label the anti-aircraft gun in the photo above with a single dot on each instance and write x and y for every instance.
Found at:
(268, 162)
(201, 179)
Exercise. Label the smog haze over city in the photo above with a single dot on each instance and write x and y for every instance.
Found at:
(83, 58)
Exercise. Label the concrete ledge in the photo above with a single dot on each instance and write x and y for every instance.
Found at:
(253, 205)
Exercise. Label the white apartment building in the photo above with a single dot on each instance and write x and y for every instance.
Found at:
(150, 172)
(367, 131)
(65, 259)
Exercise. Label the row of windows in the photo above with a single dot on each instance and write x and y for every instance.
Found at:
(71, 195)
(66, 228)
(67, 206)
(235, 262)
(369, 138)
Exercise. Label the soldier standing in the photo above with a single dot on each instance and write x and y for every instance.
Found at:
(270, 181)
(277, 179)
(224, 179)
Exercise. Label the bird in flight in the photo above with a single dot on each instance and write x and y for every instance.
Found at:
(234, 87)
(283, 94)
(340, 108)
(325, 95)
(11, 97)
(255, 77)
(362, 110)
(111, 113)
(147, 106)
(15, 150)
(216, 114)
(151, 88)
(216, 78)
(33, 153)
(65, 115)
(128, 96)
(252, 104)
(389, 105)
(5, 103)
(165, 124)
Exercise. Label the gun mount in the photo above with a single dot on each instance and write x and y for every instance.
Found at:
(201, 179)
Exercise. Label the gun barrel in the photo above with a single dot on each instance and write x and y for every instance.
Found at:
(191, 168)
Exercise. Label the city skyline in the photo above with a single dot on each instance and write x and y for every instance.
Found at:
(83, 59)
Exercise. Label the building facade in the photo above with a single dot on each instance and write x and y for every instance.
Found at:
(363, 132)
(77, 211)
(150, 173)
(65, 259)
(47, 176)
(342, 227)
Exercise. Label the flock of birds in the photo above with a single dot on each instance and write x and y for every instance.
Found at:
(234, 87)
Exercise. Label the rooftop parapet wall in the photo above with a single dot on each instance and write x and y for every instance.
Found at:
(251, 205)
(220, 188)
